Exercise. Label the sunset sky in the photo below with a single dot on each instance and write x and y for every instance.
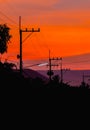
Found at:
(64, 27)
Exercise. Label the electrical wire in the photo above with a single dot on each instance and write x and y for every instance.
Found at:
(11, 20)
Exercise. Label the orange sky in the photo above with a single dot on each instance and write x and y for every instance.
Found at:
(64, 27)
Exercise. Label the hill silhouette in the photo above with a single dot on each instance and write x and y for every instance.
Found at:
(29, 73)
(13, 84)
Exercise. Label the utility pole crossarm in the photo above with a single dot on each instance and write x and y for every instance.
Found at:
(53, 65)
(31, 30)
(87, 76)
(56, 58)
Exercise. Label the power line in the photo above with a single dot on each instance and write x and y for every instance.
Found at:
(27, 37)
(38, 47)
(44, 42)
(8, 17)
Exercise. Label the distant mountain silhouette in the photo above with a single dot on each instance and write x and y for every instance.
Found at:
(29, 73)
(72, 77)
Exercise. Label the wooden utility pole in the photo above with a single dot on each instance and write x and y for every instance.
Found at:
(50, 72)
(50, 65)
(20, 32)
(61, 72)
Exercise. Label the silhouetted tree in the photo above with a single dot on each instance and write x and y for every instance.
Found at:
(9, 66)
(56, 79)
(4, 37)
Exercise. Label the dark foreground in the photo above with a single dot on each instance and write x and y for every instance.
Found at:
(31, 101)
(25, 93)
(16, 89)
